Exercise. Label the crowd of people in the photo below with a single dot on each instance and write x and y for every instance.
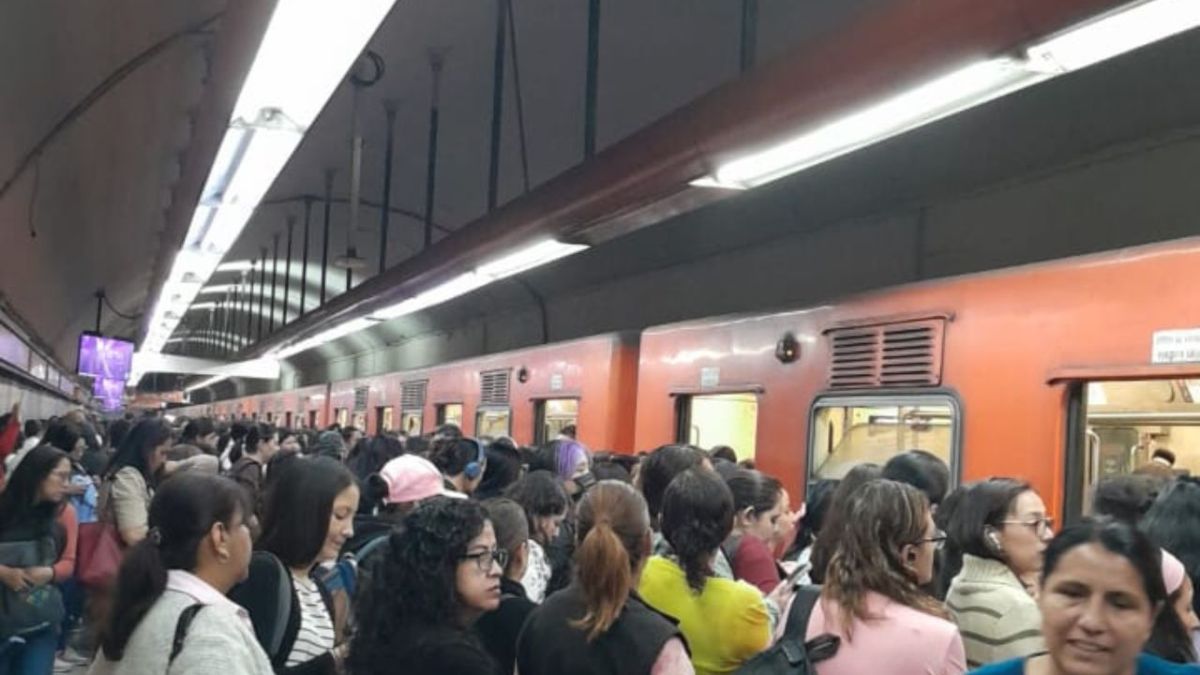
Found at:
(139, 545)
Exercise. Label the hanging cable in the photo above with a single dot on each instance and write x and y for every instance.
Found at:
(33, 195)
(512, 46)
(114, 310)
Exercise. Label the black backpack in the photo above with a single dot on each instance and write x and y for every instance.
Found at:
(791, 655)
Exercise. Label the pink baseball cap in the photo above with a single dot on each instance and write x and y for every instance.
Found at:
(411, 478)
(1172, 571)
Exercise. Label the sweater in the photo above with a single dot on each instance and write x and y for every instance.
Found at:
(725, 624)
(995, 614)
(1146, 665)
(218, 643)
(499, 628)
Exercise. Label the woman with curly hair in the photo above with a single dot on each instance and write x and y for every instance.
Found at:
(438, 575)
(724, 621)
(872, 598)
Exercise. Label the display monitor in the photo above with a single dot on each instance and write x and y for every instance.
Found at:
(110, 392)
(105, 357)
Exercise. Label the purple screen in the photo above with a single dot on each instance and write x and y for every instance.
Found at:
(108, 358)
(110, 392)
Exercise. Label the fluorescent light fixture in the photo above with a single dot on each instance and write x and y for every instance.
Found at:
(1114, 33)
(217, 289)
(234, 266)
(206, 383)
(527, 258)
(308, 47)
(959, 89)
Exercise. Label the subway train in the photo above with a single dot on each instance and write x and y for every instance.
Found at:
(1060, 373)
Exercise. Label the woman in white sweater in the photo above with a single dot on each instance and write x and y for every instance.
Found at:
(170, 613)
(1002, 529)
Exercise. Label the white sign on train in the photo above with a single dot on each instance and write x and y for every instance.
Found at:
(556, 382)
(710, 377)
(1176, 346)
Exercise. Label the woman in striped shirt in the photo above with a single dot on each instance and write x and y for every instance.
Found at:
(301, 639)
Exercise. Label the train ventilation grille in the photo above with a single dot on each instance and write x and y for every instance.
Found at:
(494, 387)
(412, 395)
(360, 398)
(905, 354)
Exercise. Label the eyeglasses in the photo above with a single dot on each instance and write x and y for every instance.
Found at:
(938, 540)
(484, 559)
(1042, 525)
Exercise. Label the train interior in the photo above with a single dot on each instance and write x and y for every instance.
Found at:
(847, 431)
(1128, 420)
(709, 420)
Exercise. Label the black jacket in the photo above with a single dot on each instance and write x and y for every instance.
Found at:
(498, 629)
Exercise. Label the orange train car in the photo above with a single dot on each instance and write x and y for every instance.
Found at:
(1060, 373)
(528, 394)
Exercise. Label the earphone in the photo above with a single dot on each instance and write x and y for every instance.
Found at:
(474, 469)
(993, 541)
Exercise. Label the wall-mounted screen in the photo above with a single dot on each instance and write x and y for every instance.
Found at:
(111, 393)
(105, 357)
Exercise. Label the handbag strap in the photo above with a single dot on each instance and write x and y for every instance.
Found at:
(181, 629)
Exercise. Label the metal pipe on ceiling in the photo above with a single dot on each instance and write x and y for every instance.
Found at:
(274, 279)
(287, 270)
(749, 41)
(328, 215)
(645, 177)
(498, 64)
(436, 61)
(591, 79)
(262, 288)
(304, 257)
(385, 213)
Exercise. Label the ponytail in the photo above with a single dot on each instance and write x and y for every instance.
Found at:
(614, 535)
(140, 581)
(603, 569)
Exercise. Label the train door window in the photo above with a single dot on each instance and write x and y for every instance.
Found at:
(450, 413)
(360, 421)
(287, 420)
(383, 419)
(850, 430)
(493, 422)
(551, 416)
(342, 416)
(411, 421)
(710, 420)
(1128, 426)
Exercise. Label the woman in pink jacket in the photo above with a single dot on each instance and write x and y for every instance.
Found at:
(872, 600)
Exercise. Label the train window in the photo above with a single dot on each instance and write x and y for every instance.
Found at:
(383, 419)
(851, 430)
(492, 422)
(341, 416)
(1128, 421)
(552, 415)
(450, 413)
(710, 420)
(411, 421)
(360, 421)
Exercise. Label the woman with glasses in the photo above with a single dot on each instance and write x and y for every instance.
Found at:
(439, 574)
(498, 629)
(37, 549)
(872, 599)
(1002, 529)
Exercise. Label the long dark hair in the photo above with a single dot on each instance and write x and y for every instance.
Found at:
(541, 494)
(1170, 524)
(697, 515)
(613, 528)
(659, 468)
(299, 502)
(983, 508)
(63, 434)
(138, 445)
(753, 490)
(816, 507)
(19, 500)
(827, 539)
(414, 585)
(182, 513)
(258, 432)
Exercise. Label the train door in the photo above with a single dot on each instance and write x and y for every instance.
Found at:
(312, 419)
(1149, 427)
(551, 416)
(287, 420)
(341, 416)
(709, 420)
(360, 421)
(383, 419)
(847, 430)
(450, 413)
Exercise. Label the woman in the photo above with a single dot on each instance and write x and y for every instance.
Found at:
(545, 503)
(758, 506)
(1100, 592)
(499, 628)
(872, 598)
(503, 469)
(1001, 528)
(725, 622)
(835, 520)
(1170, 523)
(598, 624)
(131, 476)
(170, 609)
(462, 461)
(37, 550)
(816, 505)
(261, 444)
(1175, 625)
(307, 492)
(442, 572)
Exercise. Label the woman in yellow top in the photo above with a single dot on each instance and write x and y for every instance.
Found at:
(725, 621)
